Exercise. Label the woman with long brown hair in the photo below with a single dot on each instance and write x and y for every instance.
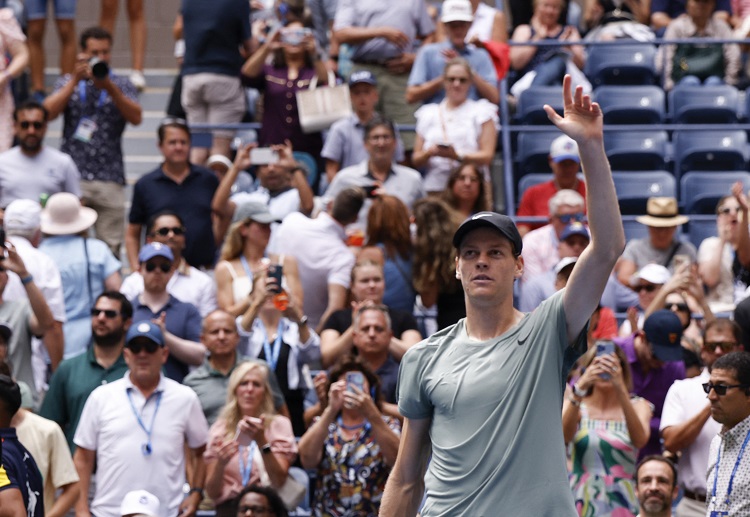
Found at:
(466, 191)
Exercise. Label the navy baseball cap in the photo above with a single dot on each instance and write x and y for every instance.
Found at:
(575, 228)
(146, 329)
(362, 76)
(155, 249)
(499, 222)
(663, 331)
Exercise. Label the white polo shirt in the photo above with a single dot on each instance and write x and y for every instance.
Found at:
(109, 426)
(684, 400)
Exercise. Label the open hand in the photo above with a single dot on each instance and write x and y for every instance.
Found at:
(582, 118)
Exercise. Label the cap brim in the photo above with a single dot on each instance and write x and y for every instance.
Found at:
(667, 353)
(364, 81)
(457, 18)
(574, 157)
(473, 224)
(662, 222)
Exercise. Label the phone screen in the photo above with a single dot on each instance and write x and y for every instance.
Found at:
(355, 379)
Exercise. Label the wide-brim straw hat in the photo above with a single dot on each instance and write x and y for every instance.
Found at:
(661, 212)
(64, 215)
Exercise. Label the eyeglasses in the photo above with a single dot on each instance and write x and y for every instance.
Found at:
(242, 510)
(26, 124)
(728, 210)
(461, 80)
(720, 389)
(681, 307)
(151, 267)
(109, 313)
(177, 230)
(567, 218)
(726, 346)
(649, 288)
(137, 346)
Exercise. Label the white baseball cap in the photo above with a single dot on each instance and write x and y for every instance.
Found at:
(456, 11)
(651, 273)
(564, 148)
(140, 503)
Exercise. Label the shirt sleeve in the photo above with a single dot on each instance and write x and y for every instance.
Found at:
(193, 324)
(345, 15)
(341, 273)
(138, 213)
(54, 406)
(87, 432)
(72, 178)
(196, 431)
(62, 470)
(334, 144)
(672, 412)
(281, 437)
(485, 69)
(418, 73)
(110, 264)
(413, 401)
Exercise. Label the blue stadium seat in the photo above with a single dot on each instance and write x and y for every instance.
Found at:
(704, 104)
(308, 162)
(631, 104)
(533, 150)
(635, 187)
(530, 108)
(641, 150)
(700, 229)
(715, 150)
(701, 191)
(634, 229)
(621, 64)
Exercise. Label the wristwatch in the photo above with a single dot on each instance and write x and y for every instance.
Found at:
(266, 449)
(196, 490)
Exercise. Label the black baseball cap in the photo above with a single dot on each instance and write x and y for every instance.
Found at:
(501, 223)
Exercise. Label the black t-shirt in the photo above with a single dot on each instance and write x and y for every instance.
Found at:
(22, 473)
(401, 321)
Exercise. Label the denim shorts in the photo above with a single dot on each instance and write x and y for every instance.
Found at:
(64, 9)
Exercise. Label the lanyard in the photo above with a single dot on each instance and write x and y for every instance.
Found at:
(247, 269)
(246, 468)
(365, 425)
(146, 448)
(82, 94)
(734, 471)
(272, 358)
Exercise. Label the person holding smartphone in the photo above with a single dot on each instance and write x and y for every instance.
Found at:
(352, 437)
(606, 426)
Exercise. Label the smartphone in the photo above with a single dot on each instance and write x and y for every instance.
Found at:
(263, 156)
(443, 146)
(369, 189)
(242, 438)
(275, 271)
(605, 347)
(2, 238)
(355, 379)
(679, 260)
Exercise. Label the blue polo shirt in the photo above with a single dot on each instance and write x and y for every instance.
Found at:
(22, 472)
(183, 320)
(191, 200)
(430, 63)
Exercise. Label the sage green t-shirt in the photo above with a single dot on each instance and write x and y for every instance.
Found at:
(497, 442)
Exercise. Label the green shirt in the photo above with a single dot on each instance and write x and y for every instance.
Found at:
(72, 384)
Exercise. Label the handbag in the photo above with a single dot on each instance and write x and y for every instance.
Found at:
(319, 108)
(701, 61)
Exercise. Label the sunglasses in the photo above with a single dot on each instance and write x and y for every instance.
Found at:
(461, 80)
(109, 313)
(137, 346)
(26, 124)
(681, 307)
(728, 210)
(648, 288)
(151, 267)
(726, 346)
(578, 217)
(177, 230)
(720, 389)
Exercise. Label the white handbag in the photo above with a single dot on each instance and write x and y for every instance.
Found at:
(319, 108)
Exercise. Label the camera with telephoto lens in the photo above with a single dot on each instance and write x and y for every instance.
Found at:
(99, 68)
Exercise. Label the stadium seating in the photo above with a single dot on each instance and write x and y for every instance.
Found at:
(701, 191)
(631, 104)
(533, 150)
(530, 109)
(636, 150)
(715, 150)
(704, 104)
(621, 64)
(635, 187)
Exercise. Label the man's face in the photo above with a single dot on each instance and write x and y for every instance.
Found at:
(156, 273)
(716, 343)
(487, 267)
(107, 324)
(274, 177)
(364, 97)
(734, 406)
(30, 129)
(457, 32)
(380, 144)
(661, 238)
(573, 246)
(655, 486)
(565, 215)
(169, 231)
(145, 366)
(219, 334)
(372, 335)
(175, 147)
(565, 171)
(100, 48)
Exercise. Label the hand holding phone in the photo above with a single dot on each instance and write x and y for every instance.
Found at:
(605, 347)
(263, 156)
(355, 379)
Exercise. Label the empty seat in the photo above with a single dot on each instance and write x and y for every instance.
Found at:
(704, 104)
(530, 108)
(634, 229)
(700, 229)
(533, 150)
(621, 64)
(635, 187)
(714, 150)
(700, 191)
(631, 104)
(636, 150)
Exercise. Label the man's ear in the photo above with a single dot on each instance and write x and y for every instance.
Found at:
(519, 267)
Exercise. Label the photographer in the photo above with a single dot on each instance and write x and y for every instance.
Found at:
(96, 105)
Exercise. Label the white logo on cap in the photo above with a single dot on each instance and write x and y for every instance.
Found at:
(143, 500)
(144, 327)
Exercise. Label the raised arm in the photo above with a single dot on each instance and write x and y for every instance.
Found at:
(583, 123)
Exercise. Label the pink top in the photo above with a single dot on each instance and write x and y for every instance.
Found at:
(740, 8)
(279, 435)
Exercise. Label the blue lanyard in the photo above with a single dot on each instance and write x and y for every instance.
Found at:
(82, 94)
(246, 468)
(365, 425)
(146, 448)
(734, 471)
(247, 269)
(272, 358)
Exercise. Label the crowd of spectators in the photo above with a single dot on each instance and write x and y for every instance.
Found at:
(265, 311)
